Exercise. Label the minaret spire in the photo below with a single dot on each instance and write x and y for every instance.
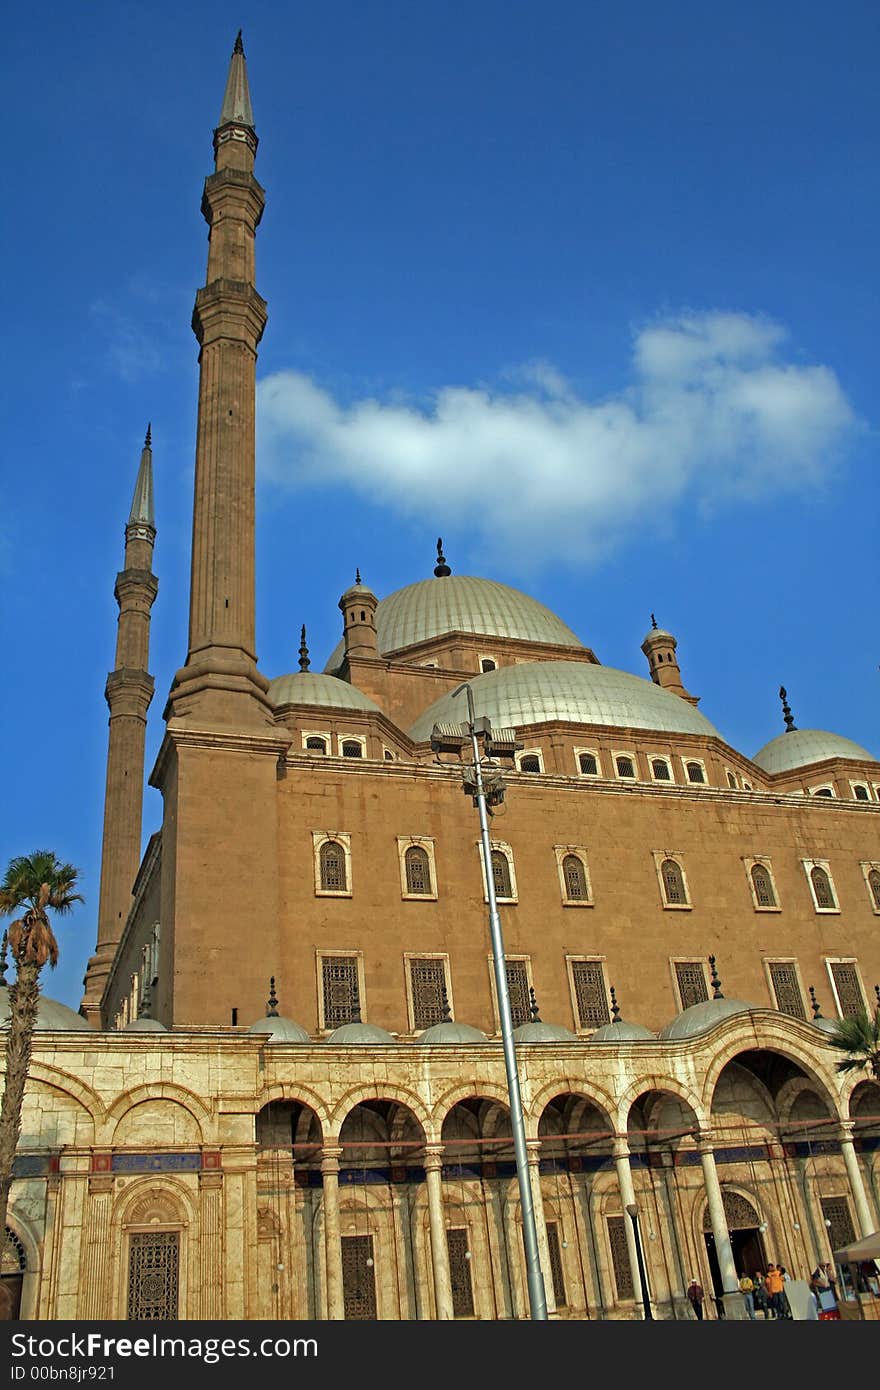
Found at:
(236, 108)
(128, 692)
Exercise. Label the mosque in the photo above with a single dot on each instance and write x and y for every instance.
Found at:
(285, 1096)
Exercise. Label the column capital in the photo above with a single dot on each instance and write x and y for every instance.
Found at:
(330, 1156)
(620, 1146)
(433, 1157)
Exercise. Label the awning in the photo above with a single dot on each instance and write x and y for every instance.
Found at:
(868, 1248)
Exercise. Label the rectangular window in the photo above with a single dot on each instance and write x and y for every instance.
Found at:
(591, 996)
(841, 1230)
(153, 1276)
(787, 988)
(358, 1281)
(690, 977)
(460, 1273)
(847, 987)
(427, 979)
(556, 1264)
(620, 1257)
(339, 987)
(518, 990)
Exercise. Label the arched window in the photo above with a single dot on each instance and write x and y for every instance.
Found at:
(418, 870)
(332, 857)
(874, 885)
(673, 882)
(352, 748)
(316, 744)
(501, 875)
(824, 791)
(575, 878)
(822, 889)
(587, 764)
(660, 769)
(487, 664)
(695, 772)
(389, 756)
(530, 763)
(731, 780)
(861, 793)
(625, 767)
(763, 886)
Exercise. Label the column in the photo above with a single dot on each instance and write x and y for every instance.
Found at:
(854, 1173)
(210, 1245)
(734, 1307)
(533, 1149)
(96, 1249)
(620, 1150)
(330, 1156)
(439, 1248)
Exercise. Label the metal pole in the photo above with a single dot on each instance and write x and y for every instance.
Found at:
(633, 1213)
(537, 1296)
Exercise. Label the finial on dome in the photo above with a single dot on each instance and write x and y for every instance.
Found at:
(357, 576)
(272, 1002)
(146, 1002)
(148, 437)
(444, 999)
(355, 1004)
(716, 983)
(653, 621)
(304, 662)
(4, 958)
(441, 569)
(533, 1006)
(615, 1007)
(790, 726)
(239, 46)
(814, 1003)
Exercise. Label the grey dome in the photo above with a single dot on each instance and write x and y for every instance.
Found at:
(450, 1032)
(356, 1034)
(316, 688)
(538, 1032)
(576, 691)
(280, 1029)
(622, 1032)
(699, 1018)
(798, 747)
(52, 1016)
(145, 1025)
(827, 1025)
(461, 603)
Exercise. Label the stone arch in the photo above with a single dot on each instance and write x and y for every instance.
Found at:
(71, 1085)
(400, 1095)
(164, 1091)
(656, 1083)
(784, 1040)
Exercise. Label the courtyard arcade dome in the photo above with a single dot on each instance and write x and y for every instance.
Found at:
(461, 603)
(798, 747)
(315, 688)
(577, 692)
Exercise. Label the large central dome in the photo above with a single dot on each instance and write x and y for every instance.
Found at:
(461, 603)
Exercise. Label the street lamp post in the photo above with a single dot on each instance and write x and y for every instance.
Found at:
(633, 1214)
(537, 1296)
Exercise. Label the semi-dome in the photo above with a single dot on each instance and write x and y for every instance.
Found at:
(450, 1032)
(798, 747)
(538, 1032)
(622, 1031)
(461, 603)
(357, 1034)
(700, 1018)
(52, 1015)
(317, 688)
(578, 692)
(278, 1029)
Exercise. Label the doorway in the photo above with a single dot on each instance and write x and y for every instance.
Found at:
(748, 1256)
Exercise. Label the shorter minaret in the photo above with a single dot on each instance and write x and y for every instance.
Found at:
(659, 647)
(128, 692)
(358, 605)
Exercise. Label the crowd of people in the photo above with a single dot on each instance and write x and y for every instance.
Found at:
(764, 1293)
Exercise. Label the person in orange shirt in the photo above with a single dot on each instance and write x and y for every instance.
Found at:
(775, 1286)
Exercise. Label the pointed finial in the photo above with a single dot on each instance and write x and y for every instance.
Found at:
(304, 662)
(441, 569)
(357, 576)
(615, 1007)
(355, 1004)
(814, 1003)
(790, 726)
(4, 958)
(148, 438)
(716, 983)
(533, 1006)
(239, 46)
(444, 999)
(653, 621)
(272, 1002)
(144, 1010)
(236, 109)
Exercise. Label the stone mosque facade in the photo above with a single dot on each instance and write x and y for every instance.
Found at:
(284, 1093)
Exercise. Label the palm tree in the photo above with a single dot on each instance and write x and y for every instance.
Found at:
(37, 882)
(859, 1036)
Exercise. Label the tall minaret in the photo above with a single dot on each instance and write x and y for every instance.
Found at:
(128, 692)
(220, 683)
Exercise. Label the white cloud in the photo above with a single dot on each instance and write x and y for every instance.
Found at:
(713, 412)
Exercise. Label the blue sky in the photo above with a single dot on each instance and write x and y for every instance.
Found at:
(588, 290)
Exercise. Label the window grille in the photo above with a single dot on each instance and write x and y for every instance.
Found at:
(460, 1273)
(739, 1214)
(673, 882)
(14, 1259)
(339, 981)
(841, 1231)
(418, 870)
(861, 793)
(427, 980)
(530, 763)
(153, 1276)
(695, 772)
(315, 744)
(822, 887)
(501, 875)
(786, 987)
(590, 993)
(556, 1271)
(849, 991)
(358, 1279)
(351, 748)
(332, 857)
(690, 976)
(588, 764)
(518, 991)
(763, 885)
(620, 1257)
(660, 769)
(626, 767)
(575, 877)
(874, 886)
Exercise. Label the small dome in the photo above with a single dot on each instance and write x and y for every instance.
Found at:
(145, 1025)
(827, 1025)
(52, 1016)
(357, 1034)
(357, 590)
(542, 1033)
(700, 1018)
(621, 1031)
(798, 747)
(450, 1032)
(461, 603)
(280, 1029)
(316, 688)
(578, 692)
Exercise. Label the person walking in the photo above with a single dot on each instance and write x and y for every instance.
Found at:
(696, 1295)
(775, 1286)
(747, 1289)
